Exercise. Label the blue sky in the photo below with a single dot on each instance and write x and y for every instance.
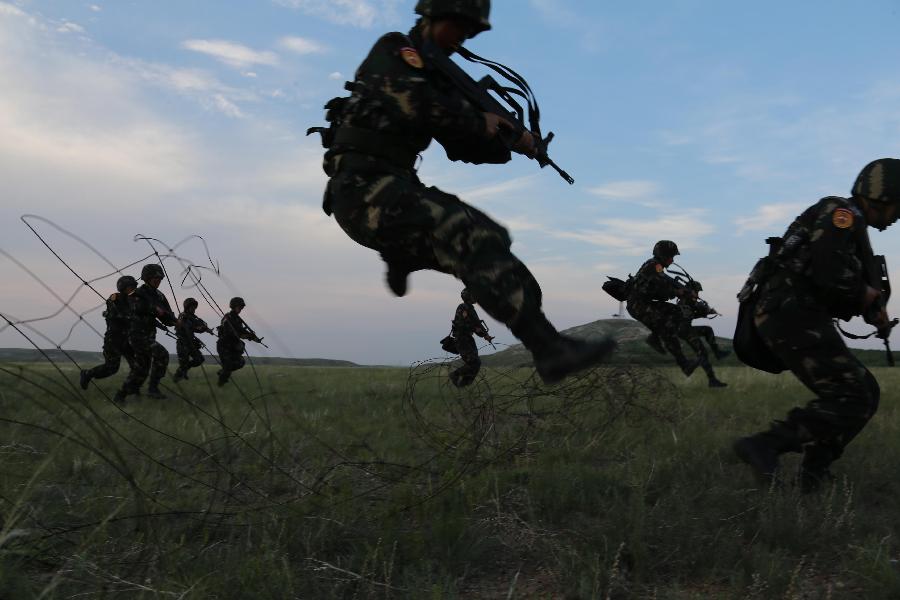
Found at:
(709, 123)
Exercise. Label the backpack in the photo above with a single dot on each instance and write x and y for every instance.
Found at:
(617, 288)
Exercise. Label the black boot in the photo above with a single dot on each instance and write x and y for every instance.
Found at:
(85, 379)
(814, 470)
(119, 398)
(223, 377)
(688, 366)
(761, 451)
(568, 355)
(715, 383)
(178, 376)
(153, 392)
(710, 374)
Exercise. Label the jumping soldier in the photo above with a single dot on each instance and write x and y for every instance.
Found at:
(399, 103)
(230, 346)
(187, 345)
(823, 271)
(466, 324)
(648, 302)
(115, 340)
(149, 310)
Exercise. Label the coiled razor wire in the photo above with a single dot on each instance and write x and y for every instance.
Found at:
(503, 414)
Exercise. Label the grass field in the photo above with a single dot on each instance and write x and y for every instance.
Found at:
(386, 483)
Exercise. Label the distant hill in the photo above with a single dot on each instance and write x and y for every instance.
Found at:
(634, 350)
(8, 355)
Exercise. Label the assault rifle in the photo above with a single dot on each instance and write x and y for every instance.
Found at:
(478, 93)
(487, 334)
(882, 281)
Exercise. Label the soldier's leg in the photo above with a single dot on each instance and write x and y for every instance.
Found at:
(847, 394)
(689, 335)
(427, 228)
(158, 368)
(706, 332)
(666, 320)
(112, 357)
(184, 359)
(468, 351)
(140, 368)
(196, 359)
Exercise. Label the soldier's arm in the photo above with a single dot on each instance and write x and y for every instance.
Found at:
(838, 249)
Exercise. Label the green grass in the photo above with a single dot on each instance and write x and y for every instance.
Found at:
(334, 483)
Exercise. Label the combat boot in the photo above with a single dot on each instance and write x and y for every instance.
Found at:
(153, 392)
(762, 456)
(119, 398)
(222, 379)
(85, 379)
(814, 469)
(654, 342)
(178, 376)
(715, 383)
(567, 355)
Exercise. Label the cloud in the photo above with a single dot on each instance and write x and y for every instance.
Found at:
(300, 45)
(336, 76)
(70, 27)
(499, 190)
(9, 9)
(356, 13)
(626, 190)
(231, 53)
(768, 216)
(96, 7)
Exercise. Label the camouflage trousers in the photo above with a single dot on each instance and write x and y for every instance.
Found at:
(150, 358)
(663, 320)
(416, 227)
(231, 358)
(847, 394)
(189, 355)
(705, 332)
(115, 347)
(693, 336)
(468, 351)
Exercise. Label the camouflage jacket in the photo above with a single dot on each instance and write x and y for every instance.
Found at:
(148, 305)
(189, 324)
(233, 329)
(822, 261)
(652, 284)
(466, 321)
(117, 314)
(400, 102)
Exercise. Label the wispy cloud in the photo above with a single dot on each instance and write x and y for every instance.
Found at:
(231, 53)
(499, 190)
(301, 45)
(70, 27)
(768, 216)
(357, 13)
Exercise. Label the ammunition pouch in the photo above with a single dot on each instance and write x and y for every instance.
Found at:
(392, 149)
(449, 344)
(749, 347)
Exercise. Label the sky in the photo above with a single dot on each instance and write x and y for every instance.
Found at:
(709, 123)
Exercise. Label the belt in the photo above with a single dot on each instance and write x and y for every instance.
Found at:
(391, 148)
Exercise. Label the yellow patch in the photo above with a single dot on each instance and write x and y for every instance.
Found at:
(659, 268)
(842, 218)
(411, 57)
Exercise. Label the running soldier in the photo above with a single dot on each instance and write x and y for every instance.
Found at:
(187, 344)
(648, 302)
(400, 103)
(115, 340)
(692, 307)
(230, 345)
(824, 269)
(149, 310)
(466, 324)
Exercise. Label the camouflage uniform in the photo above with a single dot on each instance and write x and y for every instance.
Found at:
(115, 340)
(819, 274)
(648, 302)
(398, 105)
(466, 324)
(694, 335)
(187, 345)
(148, 305)
(230, 345)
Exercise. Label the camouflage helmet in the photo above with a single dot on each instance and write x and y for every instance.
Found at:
(235, 302)
(151, 270)
(879, 181)
(124, 282)
(476, 11)
(190, 303)
(665, 249)
(467, 296)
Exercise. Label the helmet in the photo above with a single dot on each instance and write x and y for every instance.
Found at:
(124, 282)
(235, 302)
(665, 249)
(151, 270)
(467, 296)
(476, 11)
(190, 303)
(879, 180)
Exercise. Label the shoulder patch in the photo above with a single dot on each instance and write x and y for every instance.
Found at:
(659, 268)
(842, 218)
(411, 57)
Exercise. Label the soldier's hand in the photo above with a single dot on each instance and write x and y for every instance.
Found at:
(870, 296)
(525, 145)
(492, 124)
(880, 320)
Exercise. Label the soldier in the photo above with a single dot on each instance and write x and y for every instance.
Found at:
(230, 345)
(466, 324)
(822, 271)
(187, 345)
(648, 297)
(692, 307)
(149, 310)
(115, 340)
(399, 104)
